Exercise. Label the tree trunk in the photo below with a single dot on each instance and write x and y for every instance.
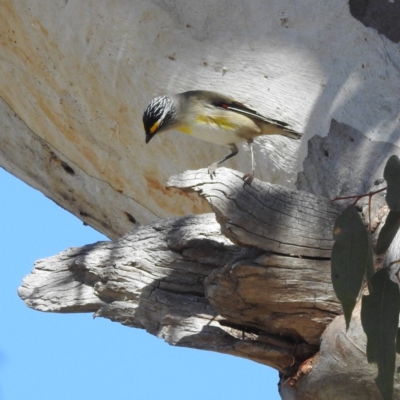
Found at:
(253, 280)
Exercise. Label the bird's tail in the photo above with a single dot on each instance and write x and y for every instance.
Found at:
(275, 127)
(290, 133)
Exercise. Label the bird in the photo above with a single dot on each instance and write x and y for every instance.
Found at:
(214, 118)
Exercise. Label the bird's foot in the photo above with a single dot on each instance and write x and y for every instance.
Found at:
(248, 178)
(212, 168)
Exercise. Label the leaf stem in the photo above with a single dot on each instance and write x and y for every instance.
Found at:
(359, 196)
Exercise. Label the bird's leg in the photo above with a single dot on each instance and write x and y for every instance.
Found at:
(248, 178)
(213, 167)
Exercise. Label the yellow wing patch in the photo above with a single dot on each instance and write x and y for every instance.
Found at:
(185, 129)
(222, 122)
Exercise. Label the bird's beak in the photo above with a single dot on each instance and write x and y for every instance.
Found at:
(148, 137)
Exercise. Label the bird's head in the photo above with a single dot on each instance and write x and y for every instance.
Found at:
(159, 116)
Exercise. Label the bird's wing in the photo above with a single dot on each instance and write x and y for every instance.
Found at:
(226, 103)
(244, 110)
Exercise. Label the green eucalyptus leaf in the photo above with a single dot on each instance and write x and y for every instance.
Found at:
(380, 320)
(351, 258)
(392, 176)
(388, 232)
(370, 269)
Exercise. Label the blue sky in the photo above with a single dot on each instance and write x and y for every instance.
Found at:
(47, 356)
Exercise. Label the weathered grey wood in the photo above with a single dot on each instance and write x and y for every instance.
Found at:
(182, 280)
(268, 216)
(153, 278)
(340, 369)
